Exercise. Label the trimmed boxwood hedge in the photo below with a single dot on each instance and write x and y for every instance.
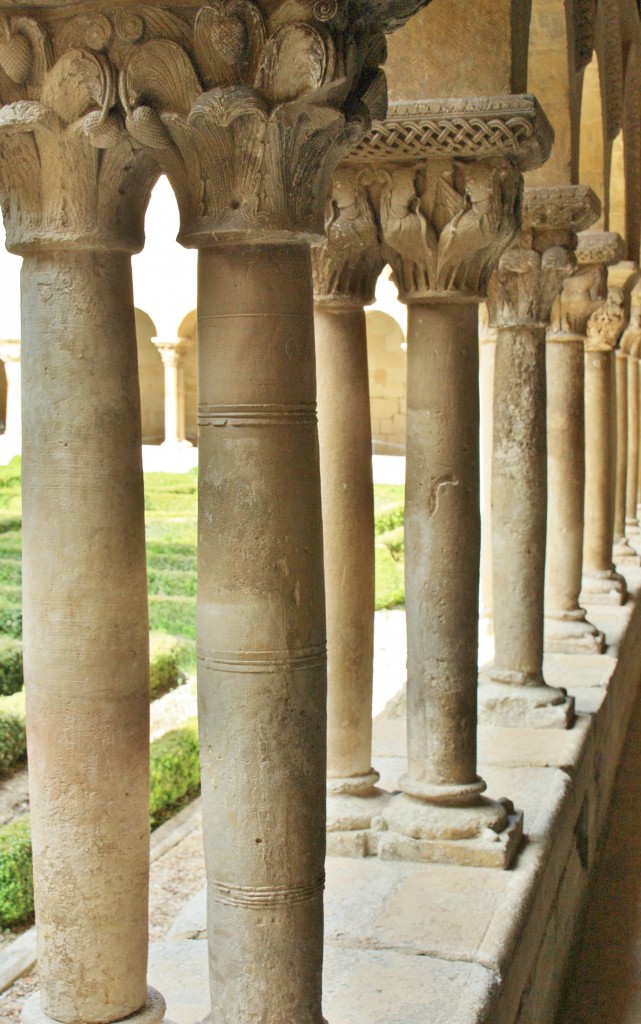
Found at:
(16, 874)
(13, 737)
(11, 677)
(175, 780)
(165, 673)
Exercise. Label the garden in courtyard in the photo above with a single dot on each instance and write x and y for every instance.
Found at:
(171, 530)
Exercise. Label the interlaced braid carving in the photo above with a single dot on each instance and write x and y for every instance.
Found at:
(473, 137)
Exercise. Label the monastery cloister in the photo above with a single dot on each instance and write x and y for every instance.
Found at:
(479, 163)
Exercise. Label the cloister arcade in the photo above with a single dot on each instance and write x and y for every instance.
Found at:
(494, 170)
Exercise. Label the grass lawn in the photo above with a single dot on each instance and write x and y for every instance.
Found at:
(170, 517)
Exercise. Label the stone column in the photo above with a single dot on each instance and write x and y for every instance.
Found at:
(11, 440)
(527, 281)
(622, 275)
(73, 191)
(346, 266)
(631, 345)
(487, 356)
(444, 224)
(173, 352)
(250, 135)
(567, 629)
(601, 584)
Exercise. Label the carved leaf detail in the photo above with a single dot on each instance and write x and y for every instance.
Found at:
(146, 127)
(78, 83)
(16, 55)
(160, 74)
(296, 62)
(229, 38)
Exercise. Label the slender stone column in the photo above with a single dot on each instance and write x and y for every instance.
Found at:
(11, 440)
(487, 358)
(172, 352)
(601, 584)
(622, 275)
(528, 279)
(567, 629)
(73, 193)
(346, 266)
(631, 345)
(250, 134)
(442, 254)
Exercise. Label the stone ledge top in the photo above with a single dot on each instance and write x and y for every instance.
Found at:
(565, 207)
(475, 128)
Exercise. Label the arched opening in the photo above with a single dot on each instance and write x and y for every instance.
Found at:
(189, 329)
(592, 164)
(387, 382)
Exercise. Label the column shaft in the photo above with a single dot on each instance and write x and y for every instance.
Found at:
(519, 493)
(261, 634)
(622, 552)
(442, 544)
(173, 434)
(634, 425)
(600, 583)
(348, 530)
(487, 353)
(85, 634)
(566, 627)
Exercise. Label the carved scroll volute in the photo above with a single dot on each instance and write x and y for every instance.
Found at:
(251, 121)
(347, 263)
(445, 225)
(606, 323)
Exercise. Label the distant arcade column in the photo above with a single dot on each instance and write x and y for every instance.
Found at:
(11, 440)
(172, 352)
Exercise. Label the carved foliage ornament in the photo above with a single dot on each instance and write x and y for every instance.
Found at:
(444, 226)
(247, 106)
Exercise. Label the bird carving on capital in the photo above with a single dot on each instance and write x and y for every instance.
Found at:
(607, 322)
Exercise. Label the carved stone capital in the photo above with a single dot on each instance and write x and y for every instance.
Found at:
(603, 247)
(581, 294)
(248, 106)
(631, 338)
(173, 350)
(347, 263)
(606, 322)
(445, 224)
(556, 212)
(526, 283)
(70, 176)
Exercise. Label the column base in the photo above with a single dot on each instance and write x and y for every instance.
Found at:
(153, 1012)
(520, 700)
(633, 529)
(603, 587)
(487, 833)
(569, 632)
(624, 554)
(352, 806)
(174, 446)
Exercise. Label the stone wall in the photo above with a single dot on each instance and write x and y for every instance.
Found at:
(387, 382)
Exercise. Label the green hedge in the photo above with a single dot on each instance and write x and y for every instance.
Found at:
(16, 875)
(13, 737)
(175, 780)
(389, 519)
(175, 772)
(11, 677)
(165, 673)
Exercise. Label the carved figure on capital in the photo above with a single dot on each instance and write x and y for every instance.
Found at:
(580, 295)
(445, 226)
(606, 323)
(526, 283)
(348, 262)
